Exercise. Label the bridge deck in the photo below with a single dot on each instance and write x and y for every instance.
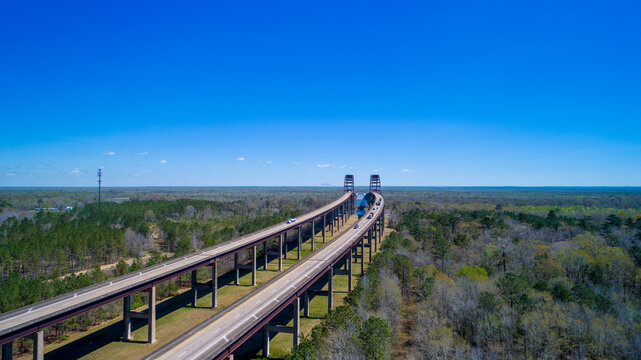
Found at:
(33, 318)
(218, 336)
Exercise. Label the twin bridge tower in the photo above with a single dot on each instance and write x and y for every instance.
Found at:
(374, 184)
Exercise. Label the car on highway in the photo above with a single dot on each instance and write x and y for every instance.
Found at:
(370, 215)
(291, 220)
(356, 226)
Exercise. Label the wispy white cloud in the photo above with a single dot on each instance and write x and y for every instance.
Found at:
(109, 153)
(268, 162)
(75, 171)
(297, 163)
(163, 161)
(240, 158)
(323, 165)
(377, 170)
(144, 153)
(407, 170)
(342, 166)
(11, 174)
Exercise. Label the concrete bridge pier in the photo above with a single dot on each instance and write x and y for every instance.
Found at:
(362, 256)
(7, 351)
(369, 242)
(149, 314)
(330, 289)
(254, 265)
(300, 240)
(266, 340)
(313, 233)
(214, 284)
(194, 288)
(265, 255)
(280, 252)
(349, 270)
(294, 330)
(285, 242)
(306, 304)
(236, 270)
(324, 226)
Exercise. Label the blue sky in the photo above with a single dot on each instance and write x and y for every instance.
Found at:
(295, 93)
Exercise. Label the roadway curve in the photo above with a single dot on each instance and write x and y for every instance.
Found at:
(35, 317)
(219, 336)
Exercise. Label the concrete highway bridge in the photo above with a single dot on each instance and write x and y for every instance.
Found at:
(219, 336)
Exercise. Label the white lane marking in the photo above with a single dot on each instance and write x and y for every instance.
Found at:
(226, 339)
(276, 300)
(183, 353)
(255, 317)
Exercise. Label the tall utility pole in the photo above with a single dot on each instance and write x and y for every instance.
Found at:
(99, 181)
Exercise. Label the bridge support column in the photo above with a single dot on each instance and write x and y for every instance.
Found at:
(342, 215)
(38, 345)
(254, 265)
(194, 288)
(349, 270)
(300, 240)
(280, 252)
(324, 226)
(313, 233)
(7, 351)
(285, 242)
(236, 270)
(296, 308)
(330, 289)
(214, 284)
(126, 318)
(151, 316)
(265, 255)
(306, 304)
(331, 225)
(369, 241)
(266, 340)
(363, 256)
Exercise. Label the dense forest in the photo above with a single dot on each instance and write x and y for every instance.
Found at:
(470, 280)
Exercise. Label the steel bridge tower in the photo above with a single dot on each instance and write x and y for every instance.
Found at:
(375, 184)
(348, 185)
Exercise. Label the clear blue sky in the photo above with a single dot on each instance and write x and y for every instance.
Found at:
(300, 93)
